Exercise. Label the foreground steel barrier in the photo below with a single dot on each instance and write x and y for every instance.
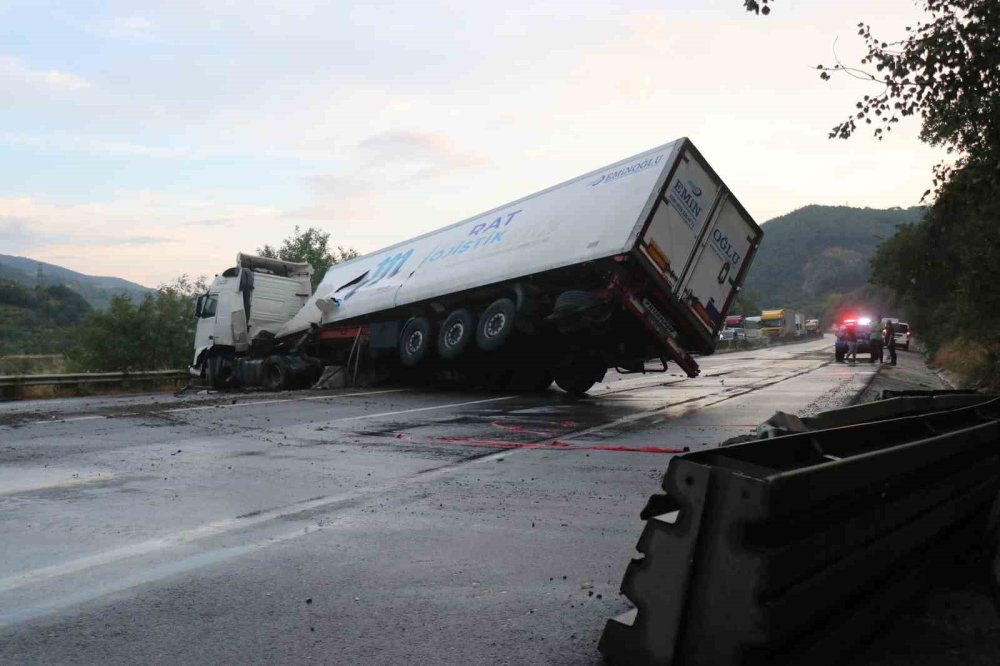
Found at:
(791, 550)
(10, 385)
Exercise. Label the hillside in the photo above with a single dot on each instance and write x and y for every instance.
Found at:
(96, 290)
(42, 321)
(816, 258)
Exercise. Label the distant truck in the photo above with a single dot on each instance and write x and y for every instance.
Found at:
(781, 323)
(739, 328)
(638, 260)
(813, 328)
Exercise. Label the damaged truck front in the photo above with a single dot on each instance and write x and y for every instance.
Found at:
(636, 261)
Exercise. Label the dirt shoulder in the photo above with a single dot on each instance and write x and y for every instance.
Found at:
(954, 621)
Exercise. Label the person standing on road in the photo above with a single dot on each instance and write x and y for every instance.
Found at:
(852, 344)
(876, 343)
(890, 341)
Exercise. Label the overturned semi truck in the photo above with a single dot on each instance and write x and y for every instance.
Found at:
(636, 261)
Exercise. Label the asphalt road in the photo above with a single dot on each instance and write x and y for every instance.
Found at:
(382, 526)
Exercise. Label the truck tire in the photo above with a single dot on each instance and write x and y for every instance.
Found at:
(496, 324)
(575, 300)
(275, 374)
(415, 341)
(575, 381)
(213, 372)
(576, 374)
(456, 333)
(530, 380)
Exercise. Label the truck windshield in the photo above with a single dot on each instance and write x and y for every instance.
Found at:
(209, 307)
(772, 323)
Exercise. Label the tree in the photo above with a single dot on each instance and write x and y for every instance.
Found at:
(154, 334)
(947, 71)
(311, 246)
(944, 270)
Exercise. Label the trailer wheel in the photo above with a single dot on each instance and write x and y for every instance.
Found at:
(456, 333)
(574, 381)
(415, 341)
(530, 380)
(274, 373)
(495, 325)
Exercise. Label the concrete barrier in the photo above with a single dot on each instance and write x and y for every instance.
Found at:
(791, 550)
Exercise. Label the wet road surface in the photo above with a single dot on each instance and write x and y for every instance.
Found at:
(390, 525)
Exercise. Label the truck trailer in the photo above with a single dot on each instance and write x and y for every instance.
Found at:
(782, 323)
(636, 261)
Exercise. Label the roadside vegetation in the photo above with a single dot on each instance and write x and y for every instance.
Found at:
(132, 333)
(39, 320)
(944, 270)
(311, 246)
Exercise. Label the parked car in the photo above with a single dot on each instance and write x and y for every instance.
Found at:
(863, 330)
(901, 331)
(902, 334)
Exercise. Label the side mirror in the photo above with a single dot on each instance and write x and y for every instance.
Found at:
(198, 306)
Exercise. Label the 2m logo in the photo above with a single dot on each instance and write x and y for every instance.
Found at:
(387, 268)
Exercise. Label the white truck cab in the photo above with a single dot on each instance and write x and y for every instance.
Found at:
(255, 297)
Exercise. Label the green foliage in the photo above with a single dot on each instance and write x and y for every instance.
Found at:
(746, 304)
(154, 333)
(757, 6)
(311, 246)
(816, 260)
(38, 321)
(947, 269)
(947, 71)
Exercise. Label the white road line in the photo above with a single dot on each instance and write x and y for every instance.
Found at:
(226, 525)
(175, 410)
(220, 527)
(348, 395)
(153, 545)
(424, 409)
(279, 400)
(230, 405)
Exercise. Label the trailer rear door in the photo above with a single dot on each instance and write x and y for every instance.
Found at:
(680, 217)
(725, 250)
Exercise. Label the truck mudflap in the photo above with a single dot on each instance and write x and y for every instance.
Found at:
(637, 299)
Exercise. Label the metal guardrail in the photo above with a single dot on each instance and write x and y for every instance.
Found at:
(10, 383)
(792, 550)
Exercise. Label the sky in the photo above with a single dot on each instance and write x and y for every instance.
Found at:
(147, 140)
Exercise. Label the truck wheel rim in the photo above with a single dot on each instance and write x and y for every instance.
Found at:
(495, 324)
(454, 334)
(414, 342)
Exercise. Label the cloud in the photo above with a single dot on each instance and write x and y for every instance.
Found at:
(135, 28)
(383, 162)
(14, 69)
(17, 234)
(22, 234)
(425, 154)
(113, 148)
(124, 240)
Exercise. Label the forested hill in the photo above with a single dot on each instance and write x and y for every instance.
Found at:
(96, 290)
(39, 321)
(814, 256)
